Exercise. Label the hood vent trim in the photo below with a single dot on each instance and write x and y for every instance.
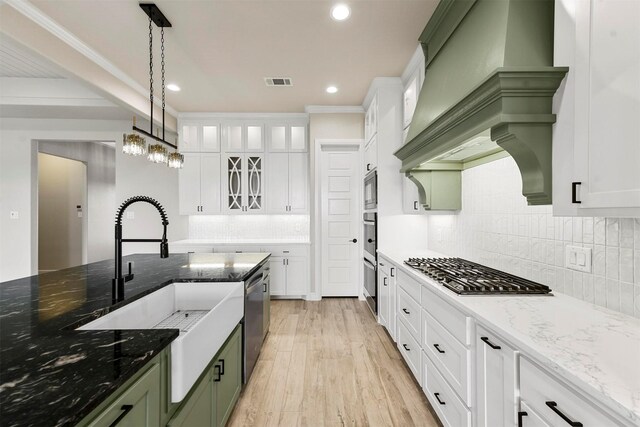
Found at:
(514, 102)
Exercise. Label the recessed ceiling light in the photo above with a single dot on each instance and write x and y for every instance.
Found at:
(340, 12)
(173, 87)
(332, 89)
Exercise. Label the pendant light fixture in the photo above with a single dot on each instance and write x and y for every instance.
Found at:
(158, 153)
(133, 144)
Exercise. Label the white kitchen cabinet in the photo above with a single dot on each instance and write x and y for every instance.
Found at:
(243, 137)
(410, 98)
(199, 137)
(384, 308)
(288, 183)
(496, 381)
(244, 183)
(287, 138)
(371, 120)
(371, 155)
(289, 270)
(199, 184)
(597, 133)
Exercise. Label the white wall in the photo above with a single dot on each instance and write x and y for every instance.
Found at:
(18, 184)
(496, 228)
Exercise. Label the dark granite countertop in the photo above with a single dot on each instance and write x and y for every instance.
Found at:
(52, 375)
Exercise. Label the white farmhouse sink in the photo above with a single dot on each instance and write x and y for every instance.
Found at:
(205, 313)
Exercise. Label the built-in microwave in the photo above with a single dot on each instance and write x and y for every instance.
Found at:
(371, 190)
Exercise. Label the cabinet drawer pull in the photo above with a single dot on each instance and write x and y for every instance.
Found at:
(221, 366)
(415, 205)
(437, 395)
(406, 311)
(490, 344)
(554, 407)
(520, 415)
(384, 281)
(406, 347)
(125, 410)
(392, 275)
(217, 371)
(437, 346)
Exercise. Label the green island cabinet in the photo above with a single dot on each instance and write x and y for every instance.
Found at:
(145, 399)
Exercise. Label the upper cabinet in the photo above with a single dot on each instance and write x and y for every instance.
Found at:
(197, 137)
(371, 120)
(244, 183)
(199, 184)
(288, 183)
(243, 137)
(597, 129)
(287, 137)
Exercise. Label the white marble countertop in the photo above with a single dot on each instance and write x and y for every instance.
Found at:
(240, 242)
(595, 349)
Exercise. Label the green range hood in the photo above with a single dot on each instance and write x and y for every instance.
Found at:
(488, 92)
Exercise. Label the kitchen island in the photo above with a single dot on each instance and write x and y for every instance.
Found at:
(51, 374)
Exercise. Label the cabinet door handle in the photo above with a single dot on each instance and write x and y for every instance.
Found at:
(574, 192)
(406, 311)
(354, 240)
(368, 166)
(520, 415)
(392, 275)
(218, 372)
(437, 395)
(490, 344)
(554, 407)
(437, 346)
(406, 347)
(415, 205)
(125, 410)
(384, 281)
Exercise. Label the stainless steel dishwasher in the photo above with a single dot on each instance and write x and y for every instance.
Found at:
(253, 321)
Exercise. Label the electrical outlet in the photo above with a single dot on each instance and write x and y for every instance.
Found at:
(14, 215)
(578, 258)
(131, 215)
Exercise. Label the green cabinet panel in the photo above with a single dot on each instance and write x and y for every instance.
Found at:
(197, 409)
(438, 189)
(227, 377)
(137, 406)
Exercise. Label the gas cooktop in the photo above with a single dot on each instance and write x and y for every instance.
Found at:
(468, 278)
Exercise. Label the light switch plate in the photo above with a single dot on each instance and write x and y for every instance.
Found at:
(578, 258)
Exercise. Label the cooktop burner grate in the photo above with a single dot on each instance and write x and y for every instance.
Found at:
(468, 278)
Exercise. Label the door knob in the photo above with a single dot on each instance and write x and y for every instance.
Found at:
(354, 241)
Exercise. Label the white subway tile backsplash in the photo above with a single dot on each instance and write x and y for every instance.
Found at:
(613, 231)
(242, 227)
(626, 233)
(498, 229)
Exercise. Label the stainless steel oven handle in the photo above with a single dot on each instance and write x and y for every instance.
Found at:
(369, 264)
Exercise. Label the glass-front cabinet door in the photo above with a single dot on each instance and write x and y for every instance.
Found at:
(255, 180)
(244, 175)
(234, 178)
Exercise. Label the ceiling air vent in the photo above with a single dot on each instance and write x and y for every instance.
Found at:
(278, 81)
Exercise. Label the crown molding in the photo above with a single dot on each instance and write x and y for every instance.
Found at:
(378, 83)
(417, 60)
(42, 19)
(230, 116)
(332, 109)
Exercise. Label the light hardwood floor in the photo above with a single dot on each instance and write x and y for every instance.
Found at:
(329, 363)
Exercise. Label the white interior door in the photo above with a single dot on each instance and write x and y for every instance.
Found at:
(340, 210)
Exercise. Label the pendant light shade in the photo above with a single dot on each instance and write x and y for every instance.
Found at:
(158, 154)
(134, 145)
(176, 160)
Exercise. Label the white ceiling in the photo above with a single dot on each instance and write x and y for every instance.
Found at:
(220, 51)
(18, 62)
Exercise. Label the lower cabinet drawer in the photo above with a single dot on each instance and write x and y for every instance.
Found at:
(555, 403)
(450, 409)
(529, 417)
(452, 359)
(409, 311)
(410, 350)
(285, 251)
